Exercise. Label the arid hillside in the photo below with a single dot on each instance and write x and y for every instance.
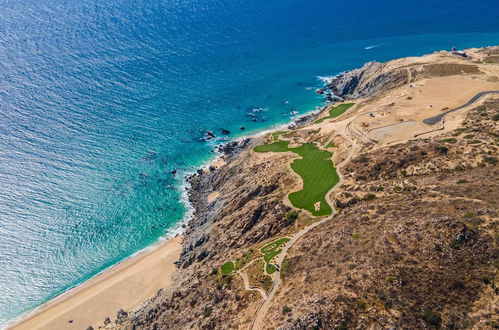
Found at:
(379, 212)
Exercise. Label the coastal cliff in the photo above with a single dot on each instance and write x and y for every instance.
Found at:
(412, 239)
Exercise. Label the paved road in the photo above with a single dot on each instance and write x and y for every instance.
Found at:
(435, 119)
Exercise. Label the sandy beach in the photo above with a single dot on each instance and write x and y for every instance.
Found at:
(125, 285)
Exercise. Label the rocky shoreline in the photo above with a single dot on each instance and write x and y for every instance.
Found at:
(206, 180)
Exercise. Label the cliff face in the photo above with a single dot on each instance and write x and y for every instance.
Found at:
(366, 81)
(413, 245)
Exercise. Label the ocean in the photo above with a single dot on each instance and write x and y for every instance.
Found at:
(101, 100)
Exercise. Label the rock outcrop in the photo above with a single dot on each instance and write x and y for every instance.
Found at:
(366, 81)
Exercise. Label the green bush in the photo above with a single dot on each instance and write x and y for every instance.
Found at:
(290, 218)
(356, 236)
(441, 149)
(207, 311)
(432, 318)
(449, 140)
(359, 304)
(369, 197)
(363, 159)
(286, 310)
(486, 280)
(490, 160)
(461, 181)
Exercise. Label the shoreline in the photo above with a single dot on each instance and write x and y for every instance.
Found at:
(128, 282)
(56, 313)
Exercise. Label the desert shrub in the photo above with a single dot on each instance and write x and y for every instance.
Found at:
(290, 218)
(286, 309)
(363, 159)
(359, 304)
(442, 150)
(486, 280)
(461, 181)
(207, 311)
(469, 215)
(490, 160)
(369, 197)
(432, 318)
(449, 140)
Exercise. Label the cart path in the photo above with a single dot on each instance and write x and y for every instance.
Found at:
(262, 310)
(435, 119)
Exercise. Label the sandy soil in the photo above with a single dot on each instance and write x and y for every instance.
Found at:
(125, 285)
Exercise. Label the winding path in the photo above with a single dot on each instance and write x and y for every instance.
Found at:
(435, 119)
(262, 310)
(247, 286)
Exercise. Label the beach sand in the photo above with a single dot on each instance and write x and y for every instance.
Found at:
(125, 285)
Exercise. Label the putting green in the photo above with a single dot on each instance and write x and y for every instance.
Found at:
(336, 111)
(317, 172)
(271, 250)
(227, 267)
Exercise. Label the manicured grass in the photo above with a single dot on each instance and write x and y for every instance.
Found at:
(271, 250)
(331, 145)
(317, 172)
(279, 146)
(227, 267)
(275, 135)
(336, 112)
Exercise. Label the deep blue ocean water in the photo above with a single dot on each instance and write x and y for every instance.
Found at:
(101, 100)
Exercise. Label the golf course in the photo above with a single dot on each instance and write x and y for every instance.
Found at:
(335, 112)
(317, 171)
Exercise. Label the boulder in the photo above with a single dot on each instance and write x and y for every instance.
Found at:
(121, 316)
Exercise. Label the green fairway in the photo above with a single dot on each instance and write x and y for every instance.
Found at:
(317, 172)
(227, 267)
(270, 250)
(279, 146)
(336, 111)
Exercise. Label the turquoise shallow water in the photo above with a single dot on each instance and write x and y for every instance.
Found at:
(100, 101)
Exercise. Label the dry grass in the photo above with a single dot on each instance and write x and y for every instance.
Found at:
(449, 69)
